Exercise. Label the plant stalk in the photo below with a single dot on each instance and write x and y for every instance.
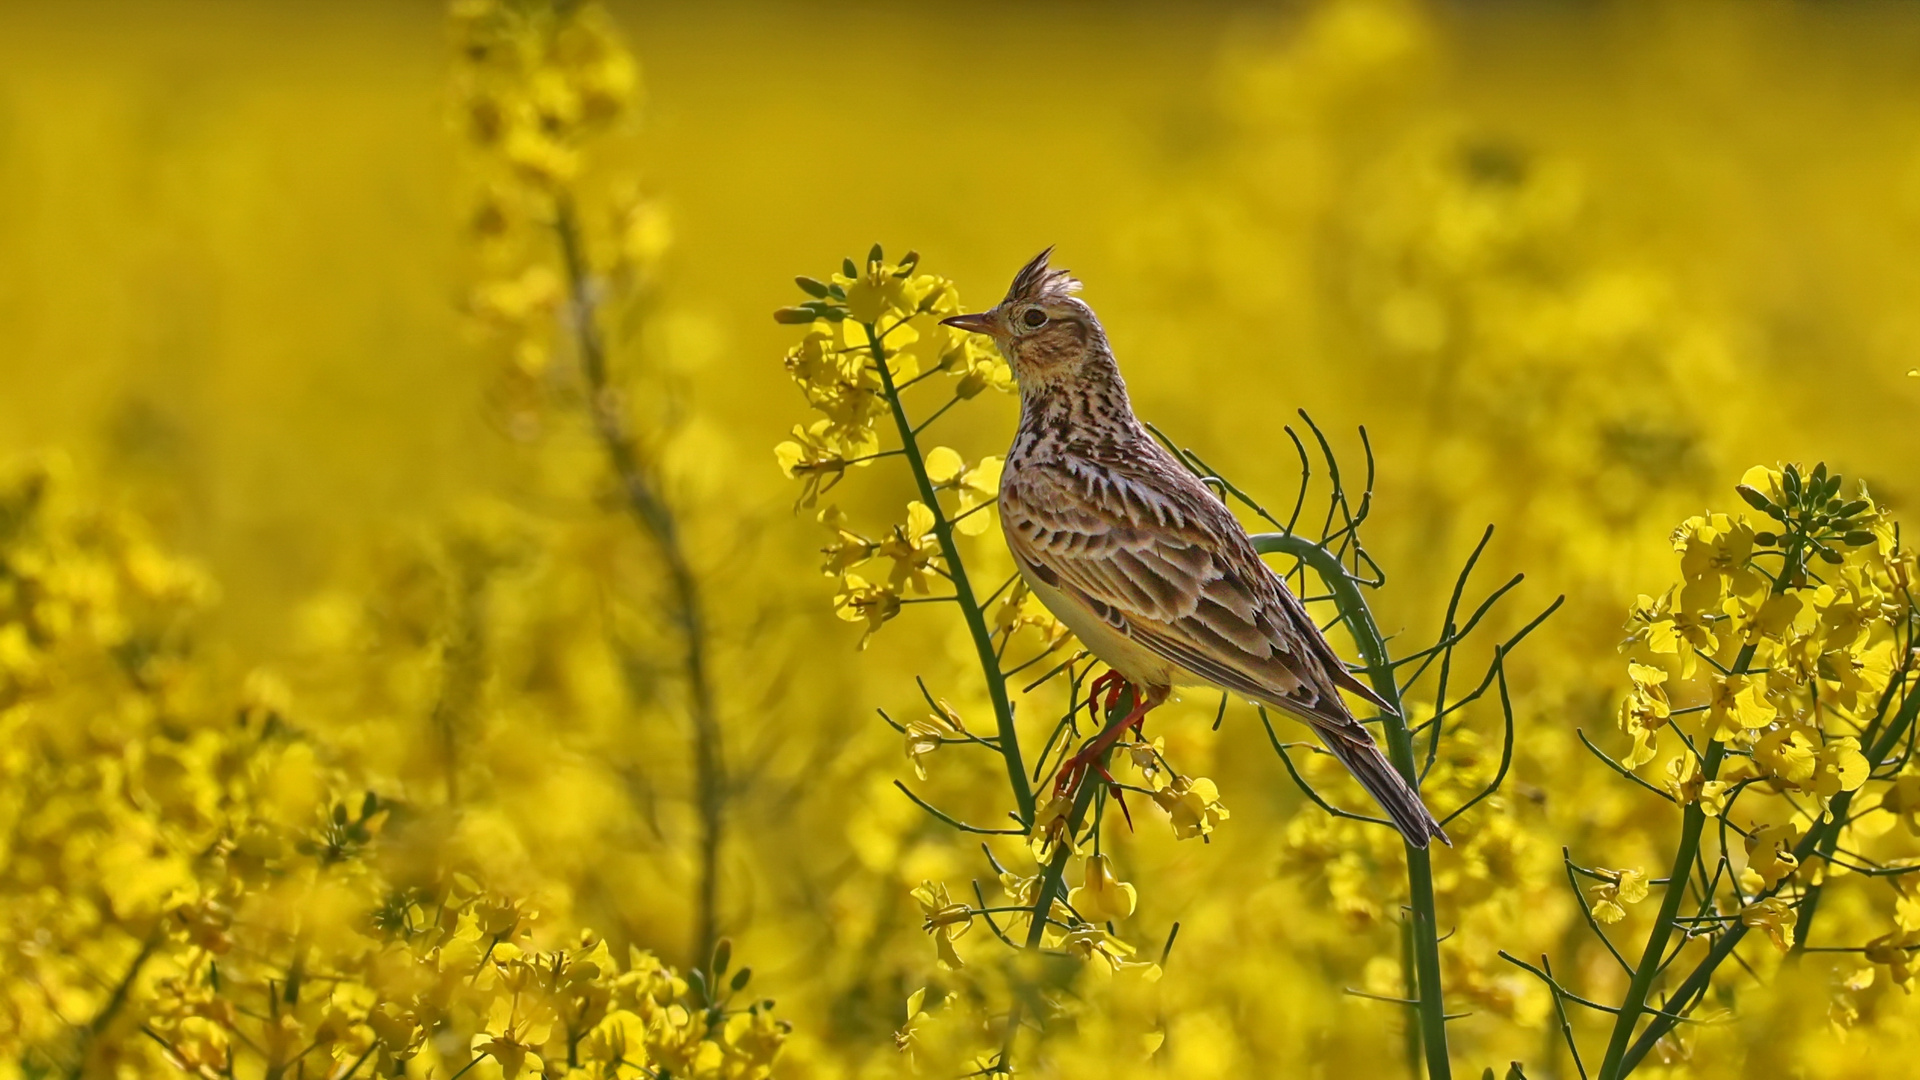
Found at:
(686, 608)
(1619, 1061)
(963, 591)
(1424, 984)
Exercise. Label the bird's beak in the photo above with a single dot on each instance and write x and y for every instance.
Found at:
(980, 322)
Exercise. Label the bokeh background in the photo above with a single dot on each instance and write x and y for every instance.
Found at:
(1575, 266)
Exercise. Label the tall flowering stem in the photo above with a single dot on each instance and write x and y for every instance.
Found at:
(963, 594)
(1794, 639)
(686, 609)
(1423, 927)
(542, 84)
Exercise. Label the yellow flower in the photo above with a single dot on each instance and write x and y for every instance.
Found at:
(1768, 619)
(1103, 898)
(1149, 759)
(945, 921)
(858, 601)
(925, 736)
(1193, 803)
(914, 549)
(977, 487)
(1645, 711)
(848, 549)
(907, 1039)
(1092, 942)
(1666, 631)
(1838, 766)
(1714, 552)
(1896, 952)
(1627, 887)
(1739, 703)
(1787, 753)
(1770, 858)
(1773, 915)
(881, 289)
(1688, 785)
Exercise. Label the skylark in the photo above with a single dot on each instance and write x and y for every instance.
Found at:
(1141, 560)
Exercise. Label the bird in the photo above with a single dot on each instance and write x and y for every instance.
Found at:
(1143, 561)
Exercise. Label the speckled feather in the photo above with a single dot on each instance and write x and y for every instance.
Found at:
(1142, 559)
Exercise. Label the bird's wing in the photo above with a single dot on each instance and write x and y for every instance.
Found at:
(1152, 552)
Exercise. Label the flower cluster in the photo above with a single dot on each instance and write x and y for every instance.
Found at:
(196, 881)
(1780, 638)
(538, 83)
(872, 332)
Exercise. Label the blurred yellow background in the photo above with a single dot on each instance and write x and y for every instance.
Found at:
(1575, 266)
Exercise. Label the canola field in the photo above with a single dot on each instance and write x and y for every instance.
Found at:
(499, 574)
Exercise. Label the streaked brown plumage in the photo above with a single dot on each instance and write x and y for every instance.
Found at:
(1145, 564)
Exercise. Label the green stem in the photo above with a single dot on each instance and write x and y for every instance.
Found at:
(963, 592)
(1693, 819)
(1696, 980)
(1424, 986)
(1050, 884)
(657, 518)
(1412, 1034)
(1056, 868)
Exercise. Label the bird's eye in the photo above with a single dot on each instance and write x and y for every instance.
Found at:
(1034, 318)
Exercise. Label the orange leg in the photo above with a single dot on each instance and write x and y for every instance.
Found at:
(1074, 770)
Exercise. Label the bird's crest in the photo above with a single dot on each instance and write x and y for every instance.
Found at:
(1036, 283)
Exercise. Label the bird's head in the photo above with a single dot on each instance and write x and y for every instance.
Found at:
(1046, 332)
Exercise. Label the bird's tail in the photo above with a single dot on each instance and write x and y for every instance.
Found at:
(1362, 757)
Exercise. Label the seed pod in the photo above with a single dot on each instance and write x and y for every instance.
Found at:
(811, 287)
